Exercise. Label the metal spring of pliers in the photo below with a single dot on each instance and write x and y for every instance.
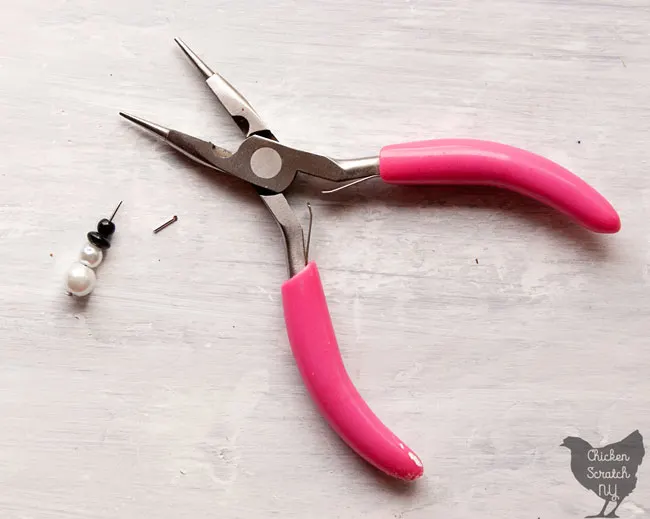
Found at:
(271, 167)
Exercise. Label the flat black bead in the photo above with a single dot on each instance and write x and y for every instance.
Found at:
(105, 227)
(98, 240)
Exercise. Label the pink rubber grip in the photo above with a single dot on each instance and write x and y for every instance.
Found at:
(469, 161)
(317, 355)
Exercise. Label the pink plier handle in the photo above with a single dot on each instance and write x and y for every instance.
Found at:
(477, 162)
(314, 346)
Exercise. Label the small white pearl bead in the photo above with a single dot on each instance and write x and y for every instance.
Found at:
(80, 279)
(91, 256)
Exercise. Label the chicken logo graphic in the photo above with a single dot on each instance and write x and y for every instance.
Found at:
(610, 472)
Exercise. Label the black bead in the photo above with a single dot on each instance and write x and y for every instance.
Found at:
(98, 240)
(105, 227)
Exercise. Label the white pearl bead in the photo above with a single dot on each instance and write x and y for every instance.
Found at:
(91, 256)
(80, 279)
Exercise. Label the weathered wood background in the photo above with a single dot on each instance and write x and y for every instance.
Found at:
(482, 327)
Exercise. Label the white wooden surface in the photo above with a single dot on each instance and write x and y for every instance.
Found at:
(481, 327)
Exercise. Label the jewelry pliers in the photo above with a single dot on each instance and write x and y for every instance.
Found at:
(271, 167)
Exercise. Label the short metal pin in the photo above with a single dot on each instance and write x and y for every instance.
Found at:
(166, 224)
(115, 212)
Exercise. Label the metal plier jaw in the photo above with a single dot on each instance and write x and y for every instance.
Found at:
(271, 167)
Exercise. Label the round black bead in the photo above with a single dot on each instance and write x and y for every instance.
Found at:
(98, 240)
(105, 227)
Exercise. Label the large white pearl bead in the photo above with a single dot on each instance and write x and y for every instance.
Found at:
(91, 256)
(80, 279)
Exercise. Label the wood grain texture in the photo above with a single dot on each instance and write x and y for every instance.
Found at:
(480, 326)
